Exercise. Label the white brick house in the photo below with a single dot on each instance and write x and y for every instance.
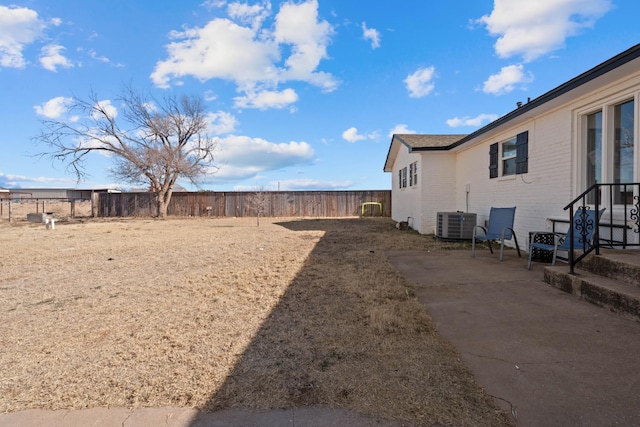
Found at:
(538, 157)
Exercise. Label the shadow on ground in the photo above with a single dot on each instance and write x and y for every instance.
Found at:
(349, 333)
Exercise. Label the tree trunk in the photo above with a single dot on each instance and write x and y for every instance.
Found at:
(162, 208)
(163, 197)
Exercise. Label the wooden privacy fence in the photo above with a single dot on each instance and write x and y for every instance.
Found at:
(249, 204)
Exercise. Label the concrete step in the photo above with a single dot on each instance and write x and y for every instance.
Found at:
(621, 265)
(615, 295)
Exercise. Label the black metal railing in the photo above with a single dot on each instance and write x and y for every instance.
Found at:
(589, 231)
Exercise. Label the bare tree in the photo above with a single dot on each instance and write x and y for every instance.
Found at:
(259, 201)
(152, 143)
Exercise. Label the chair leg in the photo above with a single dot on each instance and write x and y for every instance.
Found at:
(490, 248)
(529, 262)
(501, 249)
(515, 239)
(473, 246)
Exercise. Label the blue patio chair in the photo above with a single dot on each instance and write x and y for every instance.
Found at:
(500, 228)
(582, 229)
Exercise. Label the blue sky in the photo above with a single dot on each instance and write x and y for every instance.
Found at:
(303, 95)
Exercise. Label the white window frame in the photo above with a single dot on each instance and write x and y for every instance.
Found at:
(402, 178)
(502, 157)
(413, 174)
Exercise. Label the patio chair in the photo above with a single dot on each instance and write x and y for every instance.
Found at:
(500, 228)
(584, 220)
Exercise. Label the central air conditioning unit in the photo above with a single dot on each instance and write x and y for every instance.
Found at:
(455, 225)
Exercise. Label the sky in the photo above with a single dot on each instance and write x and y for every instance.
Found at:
(301, 95)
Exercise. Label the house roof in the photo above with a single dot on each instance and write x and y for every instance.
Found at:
(415, 142)
(418, 142)
(613, 68)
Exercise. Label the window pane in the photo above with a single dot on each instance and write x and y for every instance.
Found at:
(623, 150)
(594, 151)
(509, 166)
(415, 173)
(509, 148)
(509, 151)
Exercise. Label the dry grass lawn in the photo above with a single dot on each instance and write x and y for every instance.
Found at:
(219, 313)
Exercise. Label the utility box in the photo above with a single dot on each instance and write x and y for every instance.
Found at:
(455, 225)
(36, 217)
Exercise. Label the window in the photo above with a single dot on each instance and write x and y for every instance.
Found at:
(512, 156)
(608, 150)
(623, 151)
(402, 178)
(509, 157)
(413, 174)
(593, 151)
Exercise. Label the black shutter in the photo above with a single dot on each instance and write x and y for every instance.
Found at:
(493, 160)
(522, 152)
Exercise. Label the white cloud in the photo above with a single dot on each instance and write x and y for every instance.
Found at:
(420, 83)
(221, 49)
(371, 34)
(221, 123)
(506, 80)
(298, 26)
(266, 99)
(210, 95)
(107, 107)
(243, 50)
(51, 57)
(19, 27)
(534, 28)
(212, 4)
(352, 135)
(94, 55)
(54, 108)
(254, 15)
(17, 181)
(471, 121)
(400, 129)
(244, 157)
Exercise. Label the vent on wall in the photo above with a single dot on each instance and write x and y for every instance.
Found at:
(455, 225)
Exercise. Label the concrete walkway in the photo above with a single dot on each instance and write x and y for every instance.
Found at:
(186, 417)
(547, 357)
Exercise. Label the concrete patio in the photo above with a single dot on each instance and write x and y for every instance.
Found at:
(547, 357)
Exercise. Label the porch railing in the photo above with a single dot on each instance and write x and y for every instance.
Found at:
(619, 226)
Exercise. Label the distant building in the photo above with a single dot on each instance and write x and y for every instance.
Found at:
(56, 193)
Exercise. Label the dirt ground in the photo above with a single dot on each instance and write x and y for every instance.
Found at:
(220, 313)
